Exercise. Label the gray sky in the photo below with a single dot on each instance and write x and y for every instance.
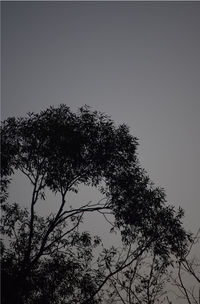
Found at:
(136, 61)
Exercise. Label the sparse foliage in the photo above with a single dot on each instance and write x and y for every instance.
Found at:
(186, 279)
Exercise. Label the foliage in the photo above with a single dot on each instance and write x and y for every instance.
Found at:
(60, 150)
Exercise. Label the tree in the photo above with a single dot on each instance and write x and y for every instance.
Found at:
(60, 150)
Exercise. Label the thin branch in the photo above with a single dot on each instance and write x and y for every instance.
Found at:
(64, 234)
(123, 266)
(182, 284)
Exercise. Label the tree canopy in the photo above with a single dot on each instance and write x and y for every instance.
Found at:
(60, 150)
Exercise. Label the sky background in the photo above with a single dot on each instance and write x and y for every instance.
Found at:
(136, 61)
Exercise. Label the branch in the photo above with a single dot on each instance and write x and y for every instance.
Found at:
(64, 234)
(182, 284)
(123, 266)
(52, 225)
(31, 225)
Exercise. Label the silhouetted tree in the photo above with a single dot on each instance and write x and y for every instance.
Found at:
(46, 259)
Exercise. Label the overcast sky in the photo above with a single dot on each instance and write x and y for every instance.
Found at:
(136, 61)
